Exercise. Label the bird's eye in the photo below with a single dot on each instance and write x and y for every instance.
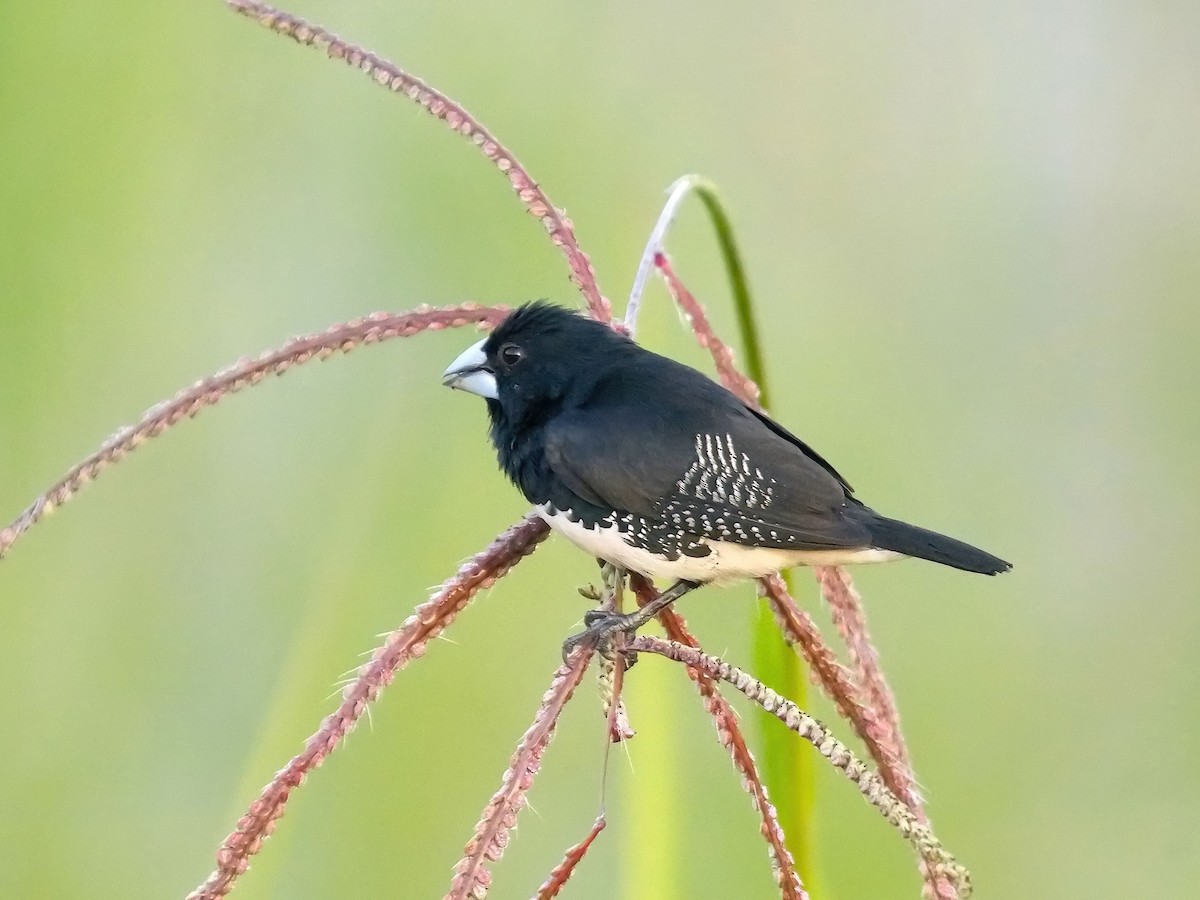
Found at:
(511, 354)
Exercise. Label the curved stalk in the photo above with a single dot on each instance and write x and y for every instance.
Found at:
(789, 771)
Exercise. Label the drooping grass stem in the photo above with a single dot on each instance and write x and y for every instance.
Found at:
(789, 770)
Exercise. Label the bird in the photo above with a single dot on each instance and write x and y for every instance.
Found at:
(650, 465)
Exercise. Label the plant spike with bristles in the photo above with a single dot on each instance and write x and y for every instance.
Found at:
(562, 873)
(870, 784)
(845, 605)
(837, 681)
(842, 687)
(610, 670)
(697, 318)
(471, 876)
(610, 677)
(437, 104)
(208, 391)
(342, 337)
(729, 734)
(406, 643)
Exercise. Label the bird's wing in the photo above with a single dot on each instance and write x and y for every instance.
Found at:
(808, 451)
(727, 476)
(612, 462)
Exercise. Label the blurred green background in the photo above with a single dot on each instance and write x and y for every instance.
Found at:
(974, 234)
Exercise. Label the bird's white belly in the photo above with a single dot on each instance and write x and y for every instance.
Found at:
(725, 562)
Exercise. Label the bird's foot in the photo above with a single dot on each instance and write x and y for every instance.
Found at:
(604, 624)
(601, 626)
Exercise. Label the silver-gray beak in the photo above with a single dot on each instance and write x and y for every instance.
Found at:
(470, 373)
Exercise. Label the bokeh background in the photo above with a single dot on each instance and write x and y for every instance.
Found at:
(974, 235)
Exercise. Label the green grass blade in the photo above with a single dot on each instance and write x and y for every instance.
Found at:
(790, 770)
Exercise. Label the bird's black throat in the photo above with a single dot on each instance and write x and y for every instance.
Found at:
(521, 452)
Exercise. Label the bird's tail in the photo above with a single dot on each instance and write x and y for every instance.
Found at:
(890, 534)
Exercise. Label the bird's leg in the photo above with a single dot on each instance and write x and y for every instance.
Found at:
(614, 601)
(603, 624)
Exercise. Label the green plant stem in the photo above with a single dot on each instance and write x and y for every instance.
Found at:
(790, 769)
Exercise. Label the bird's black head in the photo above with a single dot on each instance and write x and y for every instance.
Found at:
(538, 359)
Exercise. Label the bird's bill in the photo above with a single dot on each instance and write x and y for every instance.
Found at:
(471, 373)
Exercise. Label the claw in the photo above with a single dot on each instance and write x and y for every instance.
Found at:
(597, 617)
(600, 626)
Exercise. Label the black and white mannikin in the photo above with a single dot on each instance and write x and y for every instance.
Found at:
(652, 466)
